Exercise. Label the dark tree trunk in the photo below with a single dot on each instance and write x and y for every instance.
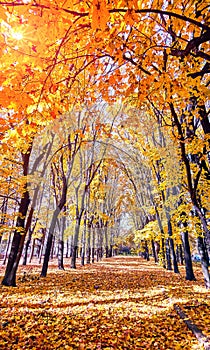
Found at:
(47, 255)
(175, 264)
(163, 253)
(56, 212)
(179, 254)
(83, 257)
(93, 254)
(20, 232)
(154, 252)
(168, 255)
(88, 255)
(111, 251)
(74, 257)
(83, 242)
(50, 238)
(52, 248)
(107, 251)
(187, 257)
(88, 249)
(101, 253)
(163, 257)
(204, 261)
(171, 241)
(4, 210)
(60, 254)
(204, 118)
(17, 244)
(67, 248)
(97, 255)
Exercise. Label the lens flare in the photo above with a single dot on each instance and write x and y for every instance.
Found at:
(16, 35)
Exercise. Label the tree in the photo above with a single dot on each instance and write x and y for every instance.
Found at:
(152, 57)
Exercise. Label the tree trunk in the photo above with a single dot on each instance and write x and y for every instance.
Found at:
(49, 243)
(52, 248)
(171, 241)
(20, 231)
(157, 250)
(93, 255)
(204, 261)
(61, 242)
(154, 251)
(111, 251)
(187, 257)
(27, 246)
(179, 254)
(175, 264)
(168, 255)
(88, 255)
(163, 260)
(7, 248)
(42, 244)
(88, 249)
(74, 257)
(93, 246)
(17, 244)
(84, 242)
(60, 254)
(107, 251)
(75, 242)
(32, 250)
(47, 255)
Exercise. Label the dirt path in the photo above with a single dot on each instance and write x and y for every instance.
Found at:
(119, 303)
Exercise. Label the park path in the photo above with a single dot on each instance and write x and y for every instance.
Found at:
(122, 303)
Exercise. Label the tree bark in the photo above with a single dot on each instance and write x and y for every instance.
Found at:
(154, 251)
(204, 261)
(74, 256)
(20, 231)
(168, 255)
(49, 242)
(187, 257)
(27, 246)
(17, 243)
(60, 254)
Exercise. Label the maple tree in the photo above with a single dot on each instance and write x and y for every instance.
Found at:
(55, 56)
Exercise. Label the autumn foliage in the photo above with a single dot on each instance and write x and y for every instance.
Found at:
(104, 116)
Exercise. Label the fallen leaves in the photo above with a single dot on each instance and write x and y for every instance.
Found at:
(119, 303)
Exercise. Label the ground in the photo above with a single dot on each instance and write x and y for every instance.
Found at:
(122, 303)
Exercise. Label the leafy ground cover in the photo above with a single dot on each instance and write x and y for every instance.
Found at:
(119, 303)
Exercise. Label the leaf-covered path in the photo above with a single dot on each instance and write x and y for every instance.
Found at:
(119, 303)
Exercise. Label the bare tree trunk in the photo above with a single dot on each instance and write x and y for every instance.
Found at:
(8, 247)
(168, 255)
(49, 242)
(187, 256)
(61, 242)
(204, 260)
(60, 254)
(20, 231)
(88, 248)
(154, 251)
